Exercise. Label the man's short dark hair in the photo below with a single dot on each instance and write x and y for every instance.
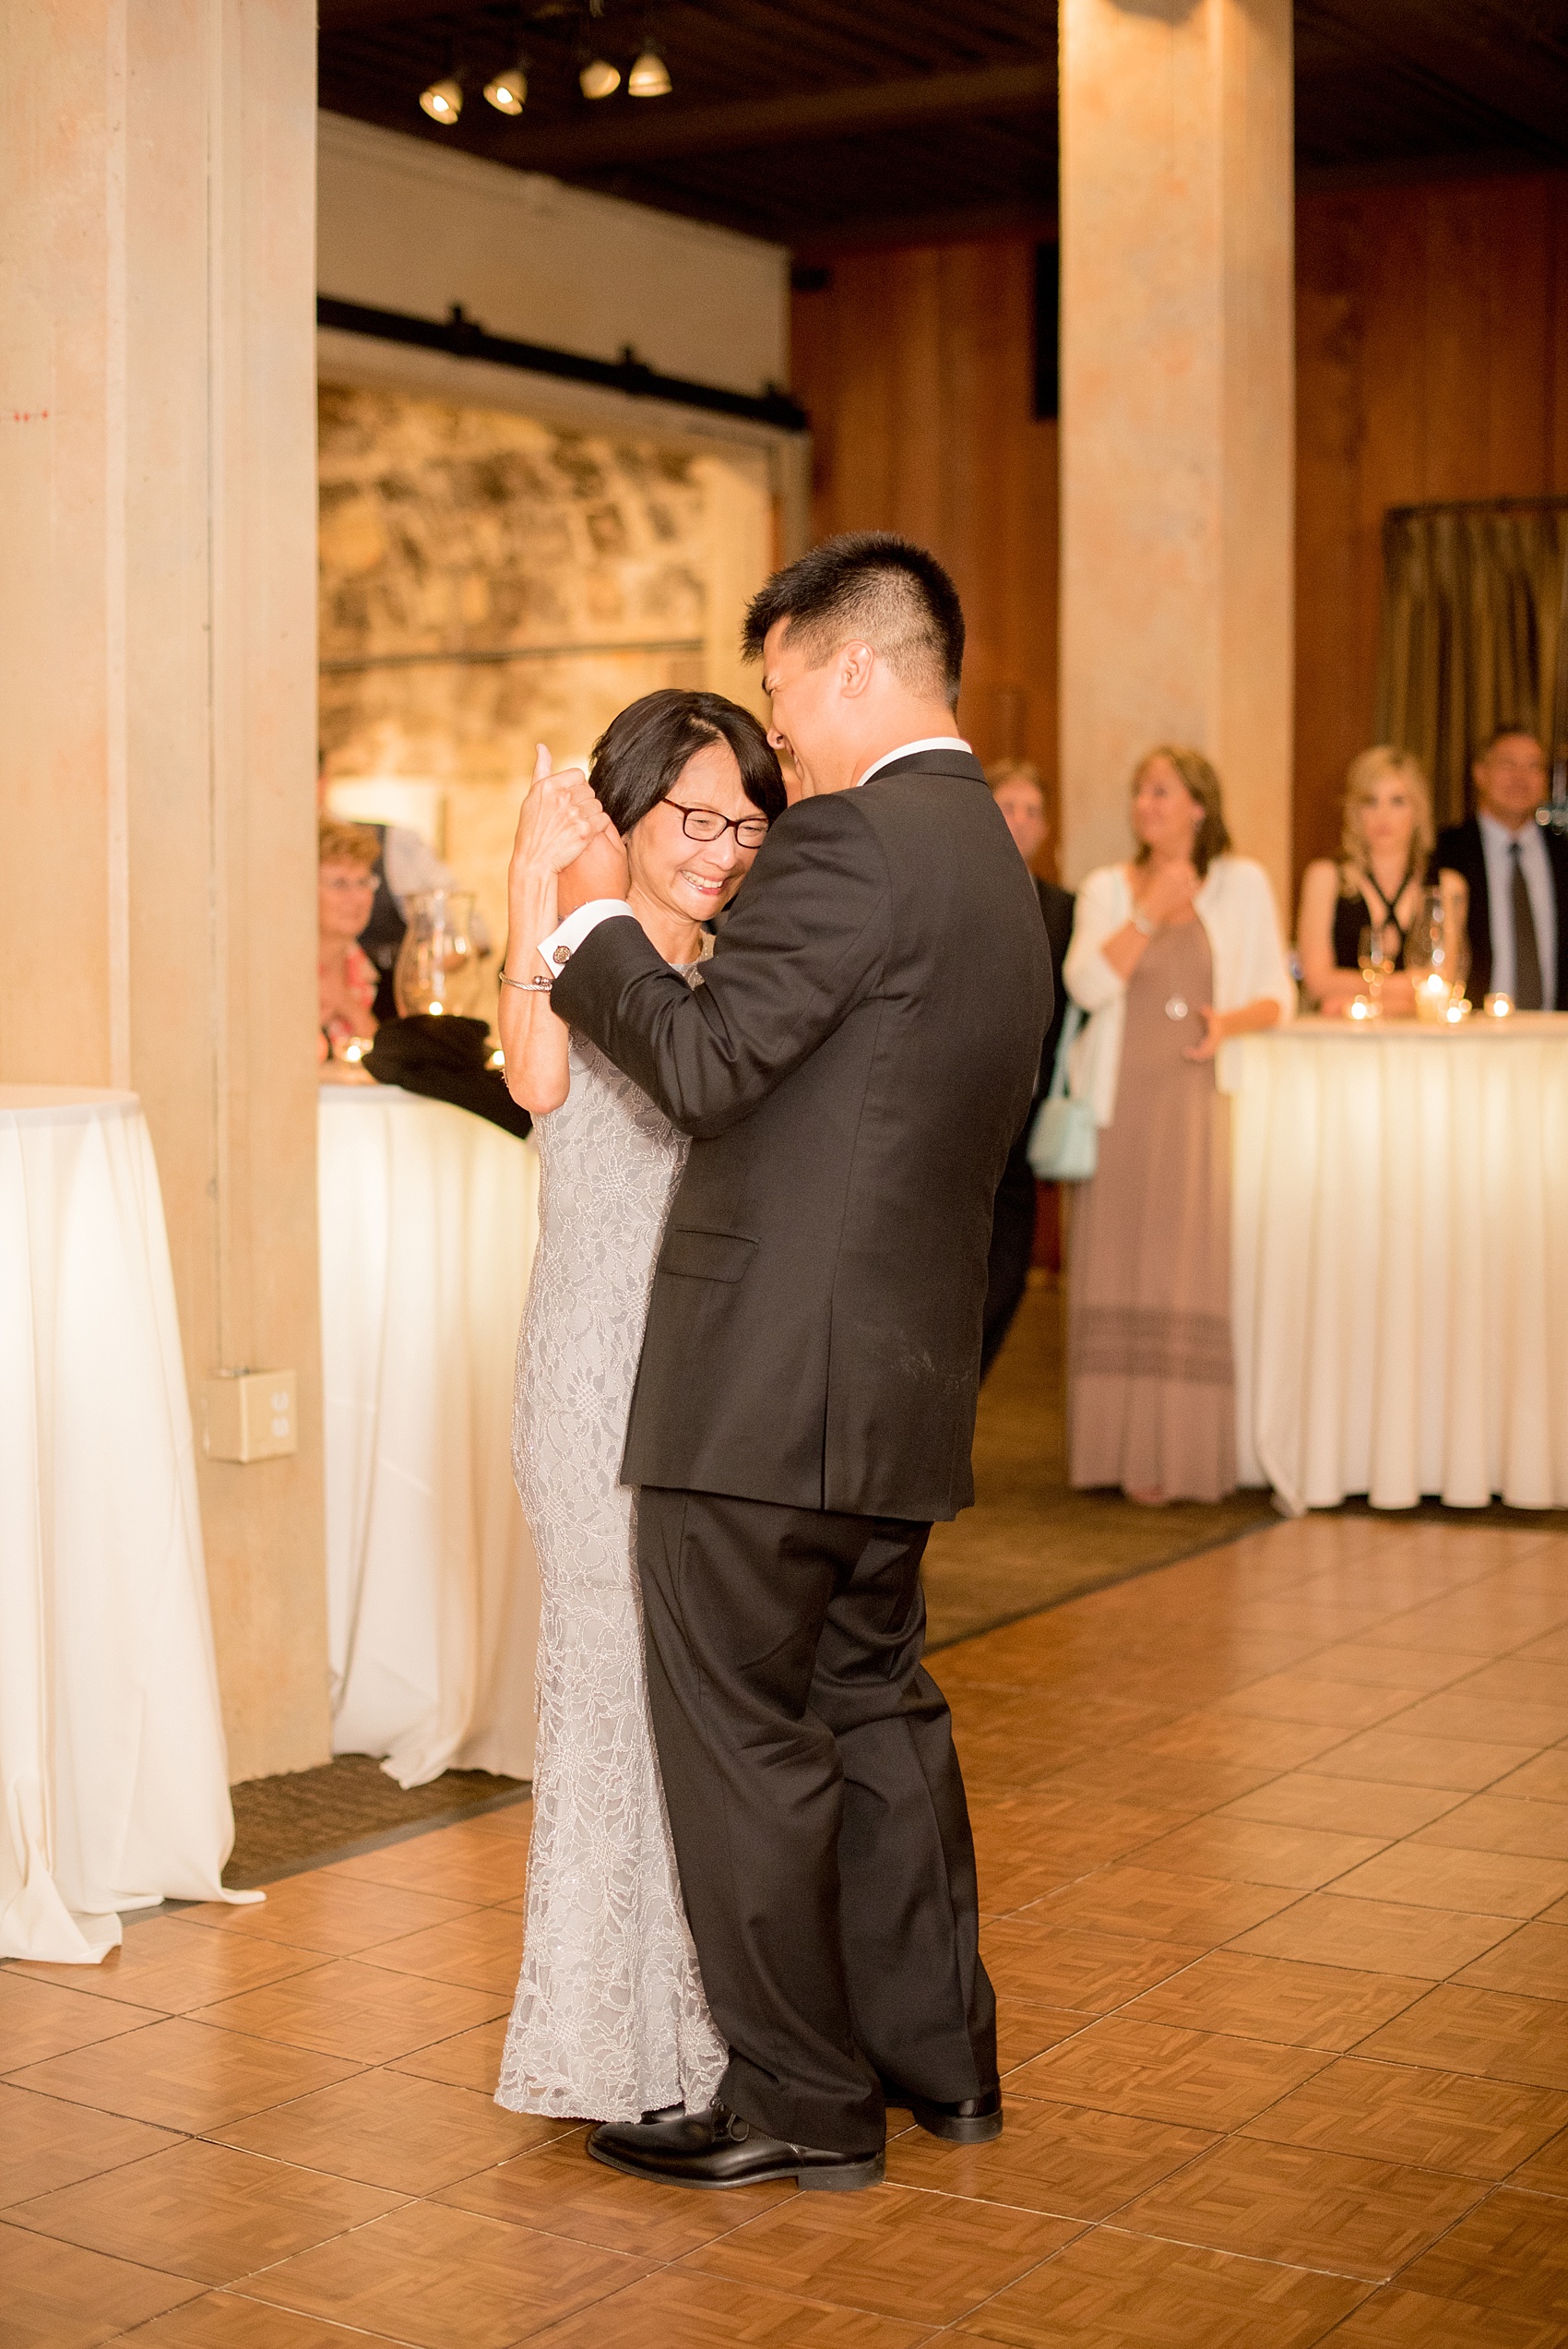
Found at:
(870, 587)
(1508, 727)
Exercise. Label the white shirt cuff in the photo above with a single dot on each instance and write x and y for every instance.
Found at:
(558, 949)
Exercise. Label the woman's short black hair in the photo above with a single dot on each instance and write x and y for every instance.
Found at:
(640, 754)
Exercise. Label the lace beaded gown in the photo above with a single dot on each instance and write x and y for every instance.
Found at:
(610, 2019)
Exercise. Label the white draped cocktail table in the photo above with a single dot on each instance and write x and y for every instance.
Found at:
(428, 1220)
(1400, 1265)
(113, 1766)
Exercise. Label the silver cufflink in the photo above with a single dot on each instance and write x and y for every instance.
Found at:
(561, 954)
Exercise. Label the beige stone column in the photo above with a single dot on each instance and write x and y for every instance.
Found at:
(158, 680)
(1177, 409)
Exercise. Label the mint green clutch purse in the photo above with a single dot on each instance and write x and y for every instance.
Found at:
(1063, 1144)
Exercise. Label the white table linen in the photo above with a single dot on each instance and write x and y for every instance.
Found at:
(1400, 1266)
(112, 1751)
(428, 1216)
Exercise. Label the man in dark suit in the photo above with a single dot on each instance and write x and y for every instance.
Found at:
(1019, 794)
(1517, 877)
(852, 1073)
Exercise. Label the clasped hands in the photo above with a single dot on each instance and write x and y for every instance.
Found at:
(564, 832)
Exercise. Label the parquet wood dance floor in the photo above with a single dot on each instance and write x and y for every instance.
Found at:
(1274, 1857)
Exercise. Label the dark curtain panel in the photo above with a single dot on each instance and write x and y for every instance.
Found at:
(1473, 633)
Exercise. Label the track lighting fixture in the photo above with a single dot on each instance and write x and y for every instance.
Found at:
(508, 91)
(599, 79)
(443, 101)
(649, 78)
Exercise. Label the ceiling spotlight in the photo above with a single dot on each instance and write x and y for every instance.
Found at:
(443, 101)
(599, 79)
(508, 91)
(649, 78)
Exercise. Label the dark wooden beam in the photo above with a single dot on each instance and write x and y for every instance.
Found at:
(657, 132)
(975, 224)
(1420, 170)
(464, 338)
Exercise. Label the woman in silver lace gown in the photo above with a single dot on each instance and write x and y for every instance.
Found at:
(610, 2019)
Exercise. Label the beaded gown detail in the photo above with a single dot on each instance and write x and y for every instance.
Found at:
(610, 2019)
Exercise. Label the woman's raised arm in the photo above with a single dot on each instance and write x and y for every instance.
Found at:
(552, 832)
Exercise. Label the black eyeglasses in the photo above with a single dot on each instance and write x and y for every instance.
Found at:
(706, 824)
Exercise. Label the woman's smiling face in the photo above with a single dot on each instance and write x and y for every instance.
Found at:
(686, 877)
(1166, 818)
(345, 894)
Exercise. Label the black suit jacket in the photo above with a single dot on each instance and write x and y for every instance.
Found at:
(851, 1073)
(1459, 851)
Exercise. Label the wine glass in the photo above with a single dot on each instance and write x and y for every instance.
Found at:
(1376, 964)
(436, 966)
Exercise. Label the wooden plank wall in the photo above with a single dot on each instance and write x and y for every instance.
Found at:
(918, 368)
(1432, 362)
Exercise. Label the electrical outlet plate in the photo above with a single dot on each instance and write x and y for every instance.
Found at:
(250, 1415)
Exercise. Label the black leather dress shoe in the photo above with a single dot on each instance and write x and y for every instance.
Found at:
(716, 2148)
(975, 2121)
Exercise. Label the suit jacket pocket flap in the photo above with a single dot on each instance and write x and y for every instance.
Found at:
(705, 1256)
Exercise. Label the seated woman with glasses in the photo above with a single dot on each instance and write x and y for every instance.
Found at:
(1384, 854)
(610, 2018)
(347, 857)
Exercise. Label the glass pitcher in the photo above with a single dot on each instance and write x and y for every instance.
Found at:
(1437, 955)
(437, 969)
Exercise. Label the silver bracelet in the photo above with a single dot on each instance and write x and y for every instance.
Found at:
(544, 980)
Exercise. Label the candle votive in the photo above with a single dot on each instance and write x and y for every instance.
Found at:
(1499, 1006)
(1358, 1008)
(1433, 995)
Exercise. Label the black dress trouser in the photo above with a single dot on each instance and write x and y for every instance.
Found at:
(817, 1810)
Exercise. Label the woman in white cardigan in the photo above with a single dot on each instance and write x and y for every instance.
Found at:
(1173, 956)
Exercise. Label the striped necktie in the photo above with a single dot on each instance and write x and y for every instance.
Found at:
(1527, 953)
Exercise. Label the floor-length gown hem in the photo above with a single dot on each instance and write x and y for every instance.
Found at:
(1151, 1381)
(610, 2019)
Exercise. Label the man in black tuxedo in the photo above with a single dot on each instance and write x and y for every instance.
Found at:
(1518, 876)
(851, 1073)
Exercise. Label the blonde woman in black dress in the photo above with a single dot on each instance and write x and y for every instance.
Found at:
(1376, 882)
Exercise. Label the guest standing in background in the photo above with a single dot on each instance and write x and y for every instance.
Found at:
(406, 865)
(1019, 794)
(1384, 854)
(1517, 877)
(347, 858)
(1173, 956)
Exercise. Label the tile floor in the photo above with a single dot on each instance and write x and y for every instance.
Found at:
(1274, 1856)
